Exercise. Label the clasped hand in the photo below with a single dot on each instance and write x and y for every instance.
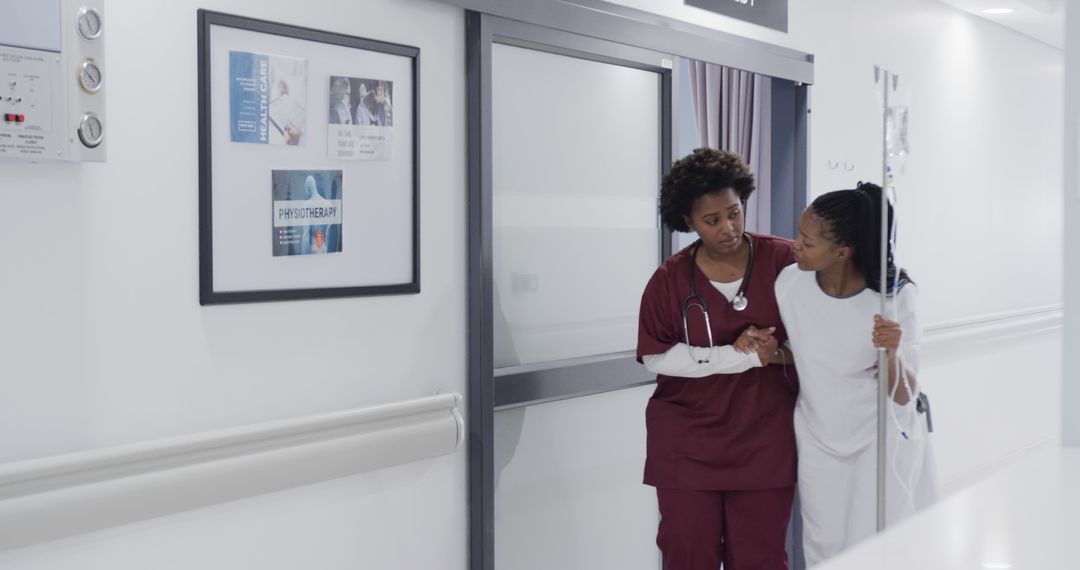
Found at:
(760, 341)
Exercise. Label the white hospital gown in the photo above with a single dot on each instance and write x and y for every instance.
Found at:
(836, 414)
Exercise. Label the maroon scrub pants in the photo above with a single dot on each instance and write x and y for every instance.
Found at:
(743, 530)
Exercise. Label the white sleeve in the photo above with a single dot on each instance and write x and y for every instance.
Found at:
(721, 360)
(911, 329)
(781, 288)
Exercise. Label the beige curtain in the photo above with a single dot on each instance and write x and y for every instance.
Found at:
(732, 111)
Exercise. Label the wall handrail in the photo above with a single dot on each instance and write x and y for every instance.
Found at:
(1046, 311)
(971, 331)
(64, 495)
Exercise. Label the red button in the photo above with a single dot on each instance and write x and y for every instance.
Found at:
(20, 119)
(9, 117)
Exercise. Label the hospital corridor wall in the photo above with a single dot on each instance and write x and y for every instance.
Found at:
(104, 343)
(1070, 404)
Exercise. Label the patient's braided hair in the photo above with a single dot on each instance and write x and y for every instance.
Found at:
(853, 219)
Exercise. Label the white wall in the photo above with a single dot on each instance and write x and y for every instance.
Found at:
(1071, 377)
(979, 205)
(103, 341)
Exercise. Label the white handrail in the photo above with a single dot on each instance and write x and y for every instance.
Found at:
(1052, 312)
(944, 336)
(53, 497)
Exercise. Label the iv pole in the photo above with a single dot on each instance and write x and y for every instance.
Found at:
(890, 80)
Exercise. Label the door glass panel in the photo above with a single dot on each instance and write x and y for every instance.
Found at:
(575, 169)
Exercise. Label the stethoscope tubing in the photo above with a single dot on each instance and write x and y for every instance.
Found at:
(739, 303)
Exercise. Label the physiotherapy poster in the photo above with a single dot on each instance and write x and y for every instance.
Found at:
(361, 119)
(267, 98)
(307, 217)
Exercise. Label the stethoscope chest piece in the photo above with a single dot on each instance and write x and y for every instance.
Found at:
(739, 303)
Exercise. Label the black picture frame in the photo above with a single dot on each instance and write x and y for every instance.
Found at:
(208, 23)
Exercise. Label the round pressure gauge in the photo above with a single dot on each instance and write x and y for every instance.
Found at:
(89, 23)
(90, 130)
(89, 76)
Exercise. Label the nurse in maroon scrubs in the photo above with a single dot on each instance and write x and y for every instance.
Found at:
(721, 447)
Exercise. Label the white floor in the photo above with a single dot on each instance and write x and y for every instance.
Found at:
(1026, 516)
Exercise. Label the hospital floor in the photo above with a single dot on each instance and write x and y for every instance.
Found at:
(1021, 517)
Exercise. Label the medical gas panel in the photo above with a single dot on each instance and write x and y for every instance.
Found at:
(52, 80)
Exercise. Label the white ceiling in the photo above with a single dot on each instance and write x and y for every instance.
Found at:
(1043, 20)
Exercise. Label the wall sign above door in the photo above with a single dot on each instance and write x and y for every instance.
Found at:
(769, 13)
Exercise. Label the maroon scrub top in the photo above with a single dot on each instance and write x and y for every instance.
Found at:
(725, 431)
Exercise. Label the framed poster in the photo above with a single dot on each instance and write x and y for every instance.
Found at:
(308, 163)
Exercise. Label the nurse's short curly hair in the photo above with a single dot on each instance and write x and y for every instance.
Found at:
(704, 171)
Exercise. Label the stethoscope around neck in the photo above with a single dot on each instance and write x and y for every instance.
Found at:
(693, 299)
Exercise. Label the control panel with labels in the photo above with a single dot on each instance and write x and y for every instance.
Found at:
(52, 81)
(29, 104)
